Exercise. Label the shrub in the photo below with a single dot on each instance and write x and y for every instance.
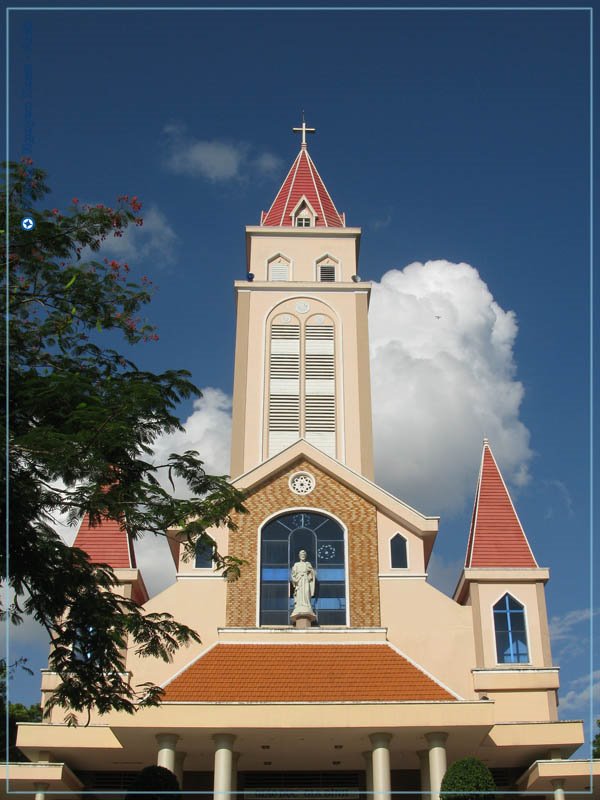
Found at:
(468, 779)
(154, 782)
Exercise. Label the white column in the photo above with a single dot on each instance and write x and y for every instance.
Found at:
(558, 785)
(40, 790)
(223, 765)
(234, 775)
(424, 768)
(437, 761)
(382, 784)
(368, 771)
(166, 751)
(179, 759)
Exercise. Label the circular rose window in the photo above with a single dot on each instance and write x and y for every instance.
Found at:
(302, 483)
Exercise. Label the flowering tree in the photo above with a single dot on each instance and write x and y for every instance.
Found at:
(82, 419)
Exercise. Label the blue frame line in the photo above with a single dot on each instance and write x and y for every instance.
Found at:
(299, 8)
(588, 9)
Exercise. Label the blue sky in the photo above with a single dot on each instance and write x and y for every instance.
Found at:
(456, 136)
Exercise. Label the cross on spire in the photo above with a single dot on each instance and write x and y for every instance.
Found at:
(303, 129)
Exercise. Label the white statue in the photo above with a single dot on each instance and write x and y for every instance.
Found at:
(303, 581)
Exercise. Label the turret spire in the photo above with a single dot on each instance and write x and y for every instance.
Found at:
(303, 194)
(497, 538)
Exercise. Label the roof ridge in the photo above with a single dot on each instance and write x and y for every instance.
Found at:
(309, 161)
(327, 193)
(471, 542)
(287, 199)
(289, 172)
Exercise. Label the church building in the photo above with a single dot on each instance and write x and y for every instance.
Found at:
(331, 666)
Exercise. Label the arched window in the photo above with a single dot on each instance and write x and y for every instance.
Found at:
(301, 383)
(284, 383)
(398, 552)
(281, 540)
(511, 636)
(204, 554)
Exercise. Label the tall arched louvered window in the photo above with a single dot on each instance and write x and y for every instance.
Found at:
(319, 386)
(284, 384)
(301, 383)
(511, 635)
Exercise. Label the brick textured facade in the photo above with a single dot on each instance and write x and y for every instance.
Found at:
(358, 515)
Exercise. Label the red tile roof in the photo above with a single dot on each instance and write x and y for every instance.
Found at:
(308, 673)
(497, 538)
(303, 180)
(106, 543)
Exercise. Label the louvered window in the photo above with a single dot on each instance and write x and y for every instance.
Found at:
(327, 272)
(279, 272)
(319, 387)
(284, 387)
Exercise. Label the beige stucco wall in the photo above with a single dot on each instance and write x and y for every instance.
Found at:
(386, 530)
(303, 247)
(431, 629)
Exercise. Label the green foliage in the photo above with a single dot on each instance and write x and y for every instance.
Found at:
(467, 779)
(82, 422)
(596, 742)
(152, 783)
(16, 712)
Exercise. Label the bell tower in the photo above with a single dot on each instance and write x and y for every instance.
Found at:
(302, 350)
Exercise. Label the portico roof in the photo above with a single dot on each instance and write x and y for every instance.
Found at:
(303, 673)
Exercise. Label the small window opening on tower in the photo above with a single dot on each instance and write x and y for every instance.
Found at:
(327, 272)
(279, 269)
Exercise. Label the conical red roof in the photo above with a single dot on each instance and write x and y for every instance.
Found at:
(106, 543)
(303, 181)
(497, 538)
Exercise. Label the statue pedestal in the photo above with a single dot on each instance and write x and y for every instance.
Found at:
(303, 619)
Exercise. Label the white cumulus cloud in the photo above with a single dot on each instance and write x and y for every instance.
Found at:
(155, 240)
(214, 160)
(443, 377)
(581, 691)
(207, 430)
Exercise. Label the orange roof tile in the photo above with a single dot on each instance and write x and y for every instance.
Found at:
(106, 543)
(330, 673)
(303, 180)
(496, 538)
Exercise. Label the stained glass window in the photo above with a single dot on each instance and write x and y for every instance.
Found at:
(281, 541)
(511, 636)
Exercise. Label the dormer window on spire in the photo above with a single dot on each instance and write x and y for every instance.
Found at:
(303, 215)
